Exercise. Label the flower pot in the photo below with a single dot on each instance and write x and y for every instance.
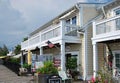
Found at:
(43, 78)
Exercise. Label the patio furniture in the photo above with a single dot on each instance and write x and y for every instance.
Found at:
(64, 76)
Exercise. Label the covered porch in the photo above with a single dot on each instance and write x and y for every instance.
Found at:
(106, 54)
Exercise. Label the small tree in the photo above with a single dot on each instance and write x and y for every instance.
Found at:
(17, 49)
(24, 39)
(3, 50)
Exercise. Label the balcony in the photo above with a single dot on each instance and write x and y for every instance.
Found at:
(53, 33)
(108, 29)
(71, 30)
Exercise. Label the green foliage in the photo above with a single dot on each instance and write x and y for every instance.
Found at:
(103, 76)
(71, 63)
(14, 60)
(48, 68)
(25, 65)
(3, 50)
(24, 39)
(17, 49)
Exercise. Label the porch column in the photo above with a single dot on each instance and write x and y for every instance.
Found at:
(63, 56)
(22, 58)
(41, 50)
(95, 59)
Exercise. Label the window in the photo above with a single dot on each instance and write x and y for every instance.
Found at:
(117, 60)
(74, 20)
(117, 12)
(68, 21)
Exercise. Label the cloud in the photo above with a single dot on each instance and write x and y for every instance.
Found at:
(38, 12)
(12, 25)
(18, 18)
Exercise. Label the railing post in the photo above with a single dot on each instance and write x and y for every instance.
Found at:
(62, 29)
(62, 50)
(41, 50)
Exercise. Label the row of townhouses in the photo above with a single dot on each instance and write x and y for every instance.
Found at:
(86, 31)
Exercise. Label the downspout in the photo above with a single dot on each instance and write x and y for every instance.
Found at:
(104, 11)
(80, 8)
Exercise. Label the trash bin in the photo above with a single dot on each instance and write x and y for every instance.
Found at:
(54, 79)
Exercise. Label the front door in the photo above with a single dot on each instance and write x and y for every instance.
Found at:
(72, 60)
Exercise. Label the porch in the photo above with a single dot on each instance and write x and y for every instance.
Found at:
(106, 41)
(107, 56)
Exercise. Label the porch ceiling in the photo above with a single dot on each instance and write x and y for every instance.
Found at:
(111, 41)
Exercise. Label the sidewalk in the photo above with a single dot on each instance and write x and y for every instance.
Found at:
(7, 76)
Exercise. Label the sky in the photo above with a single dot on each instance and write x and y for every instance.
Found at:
(18, 18)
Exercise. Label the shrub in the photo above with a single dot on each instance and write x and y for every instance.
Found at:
(25, 65)
(48, 68)
(103, 76)
(14, 60)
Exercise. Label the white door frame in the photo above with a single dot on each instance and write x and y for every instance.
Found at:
(78, 57)
(114, 66)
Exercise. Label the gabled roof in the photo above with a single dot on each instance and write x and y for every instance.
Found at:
(112, 4)
(51, 21)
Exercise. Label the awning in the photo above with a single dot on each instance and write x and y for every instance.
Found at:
(2, 57)
(17, 56)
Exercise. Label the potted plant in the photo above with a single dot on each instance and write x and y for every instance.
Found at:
(28, 67)
(47, 70)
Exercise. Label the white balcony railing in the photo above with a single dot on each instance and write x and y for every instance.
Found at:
(24, 44)
(107, 25)
(70, 30)
(34, 40)
(50, 34)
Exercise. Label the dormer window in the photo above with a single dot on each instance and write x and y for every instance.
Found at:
(68, 21)
(72, 20)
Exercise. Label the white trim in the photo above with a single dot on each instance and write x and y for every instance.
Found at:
(41, 50)
(78, 57)
(114, 66)
(95, 59)
(85, 56)
(80, 15)
(107, 36)
(63, 61)
(114, 52)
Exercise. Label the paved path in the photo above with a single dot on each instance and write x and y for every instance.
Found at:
(7, 76)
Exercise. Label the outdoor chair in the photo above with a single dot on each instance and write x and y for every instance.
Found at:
(64, 76)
